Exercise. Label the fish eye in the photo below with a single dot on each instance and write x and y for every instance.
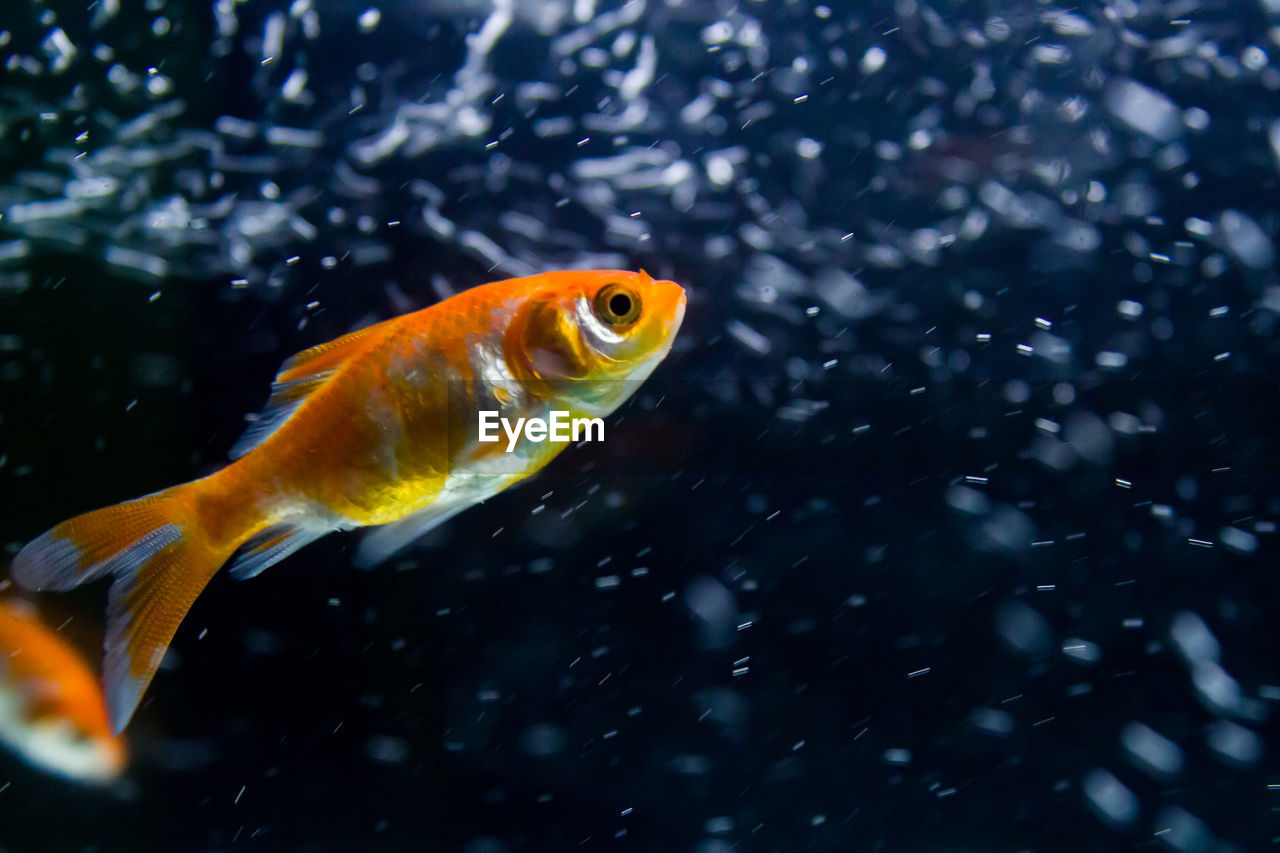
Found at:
(617, 305)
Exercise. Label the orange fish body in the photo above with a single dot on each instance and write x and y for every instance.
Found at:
(379, 427)
(52, 711)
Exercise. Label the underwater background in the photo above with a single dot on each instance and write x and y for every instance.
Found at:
(948, 524)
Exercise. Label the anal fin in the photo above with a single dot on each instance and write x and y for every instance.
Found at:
(272, 545)
(382, 542)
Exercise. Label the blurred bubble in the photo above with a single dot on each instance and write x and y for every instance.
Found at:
(1240, 541)
(1182, 830)
(1192, 638)
(967, 501)
(1216, 689)
(715, 608)
(718, 825)
(1089, 437)
(1234, 744)
(1004, 529)
(873, 60)
(727, 708)
(485, 845)
(691, 765)
(897, 756)
(714, 845)
(993, 722)
(1082, 651)
(543, 740)
(1017, 391)
(1245, 240)
(845, 294)
(1144, 109)
(1109, 799)
(157, 369)
(1023, 630)
(387, 749)
(1151, 752)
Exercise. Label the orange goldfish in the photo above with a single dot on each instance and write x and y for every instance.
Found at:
(52, 712)
(380, 427)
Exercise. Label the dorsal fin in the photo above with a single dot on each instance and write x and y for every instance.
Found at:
(328, 356)
(300, 376)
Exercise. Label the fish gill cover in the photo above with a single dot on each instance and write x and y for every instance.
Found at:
(950, 522)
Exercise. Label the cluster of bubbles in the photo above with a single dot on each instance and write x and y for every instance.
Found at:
(1045, 233)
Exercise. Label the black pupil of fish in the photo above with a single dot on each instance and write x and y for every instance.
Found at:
(619, 304)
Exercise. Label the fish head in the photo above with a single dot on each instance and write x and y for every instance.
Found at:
(589, 338)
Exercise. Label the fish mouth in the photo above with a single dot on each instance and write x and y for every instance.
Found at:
(679, 318)
(678, 302)
(673, 305)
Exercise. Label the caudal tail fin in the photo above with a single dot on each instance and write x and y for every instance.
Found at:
(159, 557)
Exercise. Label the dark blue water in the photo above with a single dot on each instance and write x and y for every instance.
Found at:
(949, 524)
